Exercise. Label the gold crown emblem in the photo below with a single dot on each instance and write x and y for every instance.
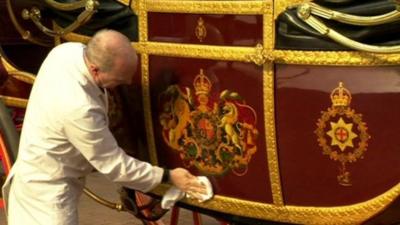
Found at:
(340, 96)
(201, 83)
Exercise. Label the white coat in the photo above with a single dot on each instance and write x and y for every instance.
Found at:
(64, 136)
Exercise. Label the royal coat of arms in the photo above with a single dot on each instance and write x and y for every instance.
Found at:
(215, 136)
(341, 133)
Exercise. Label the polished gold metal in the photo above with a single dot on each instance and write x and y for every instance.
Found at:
(147, 109)
(35, 15)
(329, 14)
(142, 17)
(25, 34)
(209, 7)
(76, 37)
(260, 55)
(196, 51)
(22, 76)
(67, 6)
(272, 151)
(18, 74)
(279, 56)
(347, 214)
(14, 102)
(268, 31)
(282, 5)
(338, 58)
(306, 12)
(200, 30)
(102, 201)
(269, 107)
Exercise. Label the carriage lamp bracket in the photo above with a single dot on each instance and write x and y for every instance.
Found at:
(34, 14)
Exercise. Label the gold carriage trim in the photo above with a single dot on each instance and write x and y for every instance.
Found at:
(341, 133)
(208, 7)
(282, 5)
(347, 214)
(196, 51)
(338, 58)
(245, 54)
(147, 110)
(270, 136)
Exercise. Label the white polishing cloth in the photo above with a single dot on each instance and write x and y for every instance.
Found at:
(174, 194)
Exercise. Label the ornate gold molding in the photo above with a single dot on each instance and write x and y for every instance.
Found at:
(196, 51)
(272, 152)
(268, 31)
(269, 118)
(342, 58)
(147, 109)
(142, 20)
(348, 214)
(260, 55)
(209, 7)
(281, 5)
(14, 102)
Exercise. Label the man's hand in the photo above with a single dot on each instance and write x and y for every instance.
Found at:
(187, 182)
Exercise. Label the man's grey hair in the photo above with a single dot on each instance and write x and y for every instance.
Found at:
(100, 50)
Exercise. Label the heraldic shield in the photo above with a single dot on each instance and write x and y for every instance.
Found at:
(341, 133)
(215, 136)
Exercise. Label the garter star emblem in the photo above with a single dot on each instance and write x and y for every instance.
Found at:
(215, 136)
(341, 133)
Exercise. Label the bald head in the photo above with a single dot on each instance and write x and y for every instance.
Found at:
(111, 52)
(106, 46)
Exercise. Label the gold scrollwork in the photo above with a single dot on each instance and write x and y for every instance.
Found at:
(209, 7)
(261, 55)
(347, 214)
(142, 20)
(282, 5)
(272, 150)
(337, 58)
(196, 51)
(244, 54)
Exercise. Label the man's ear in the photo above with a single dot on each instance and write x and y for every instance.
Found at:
(93, 69)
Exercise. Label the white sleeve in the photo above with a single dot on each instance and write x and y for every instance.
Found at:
(88, 132)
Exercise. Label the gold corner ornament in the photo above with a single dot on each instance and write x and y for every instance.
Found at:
(341, 133)
(260, 55)
(216, 134)
(200, 31)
